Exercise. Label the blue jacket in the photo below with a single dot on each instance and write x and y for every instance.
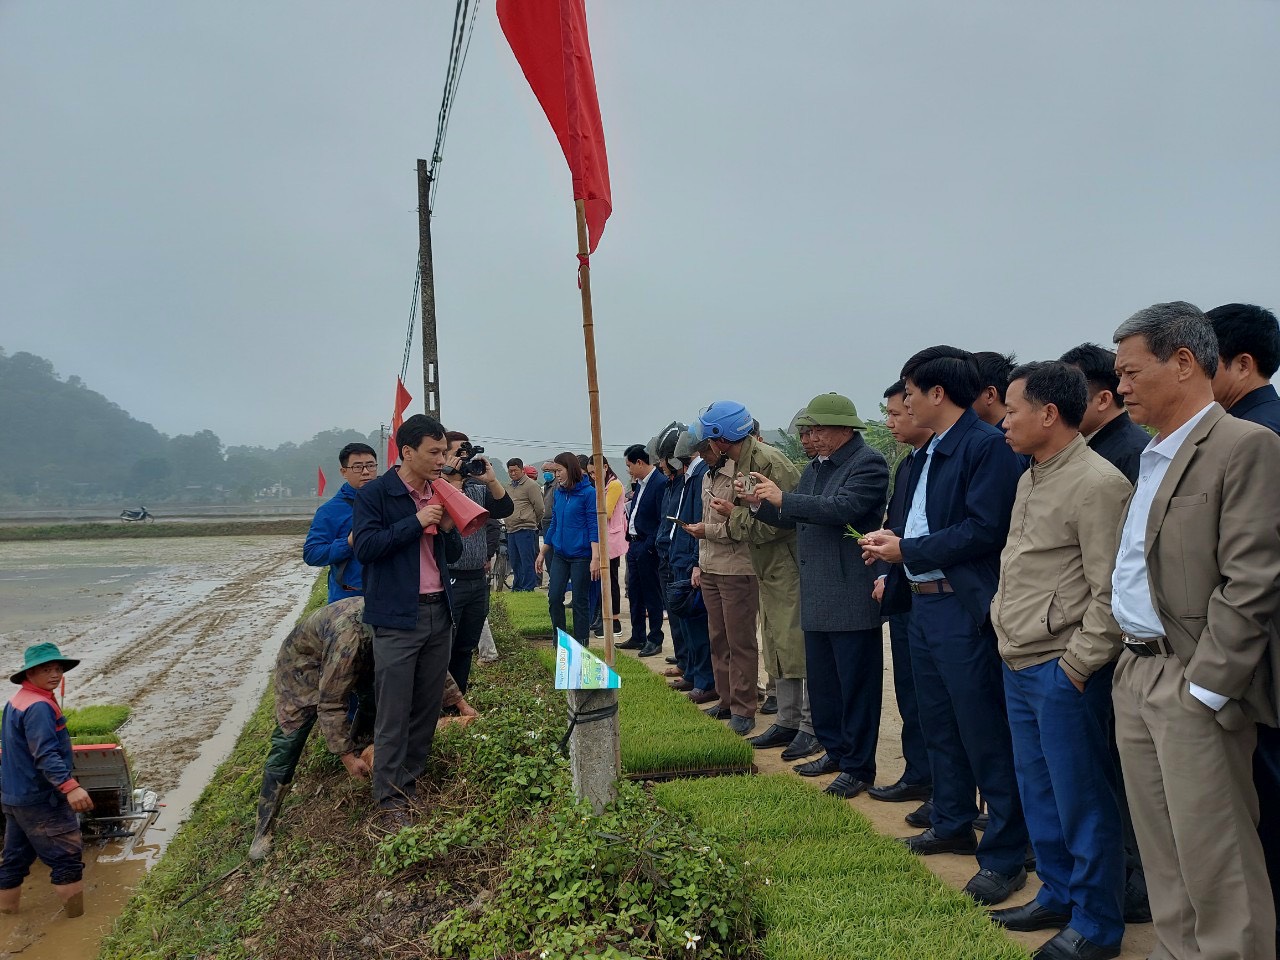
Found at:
(973, 479)
(677, 550)
(647, 511)
(387, 532)
(36, 764)
(326, 545)
(1260, 406)
(573, 521)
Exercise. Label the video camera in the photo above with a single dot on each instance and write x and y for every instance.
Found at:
(470, 467)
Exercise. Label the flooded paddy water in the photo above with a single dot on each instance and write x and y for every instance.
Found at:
(185, 632)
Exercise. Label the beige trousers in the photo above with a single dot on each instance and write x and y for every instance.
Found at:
(1195, 813)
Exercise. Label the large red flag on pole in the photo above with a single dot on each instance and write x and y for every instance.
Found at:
(549, 39)
(397, 419)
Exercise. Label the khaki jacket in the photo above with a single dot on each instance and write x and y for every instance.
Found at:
(1054, 598)
(718, 551)
(529, 505)
(1213, 554)
(773, 555)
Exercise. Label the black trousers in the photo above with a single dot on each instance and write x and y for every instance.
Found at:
(645, 591)
(470, 607)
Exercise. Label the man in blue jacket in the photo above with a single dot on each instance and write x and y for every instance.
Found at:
(956, 525)
(678, 555)
(328, 542)
(406, 541)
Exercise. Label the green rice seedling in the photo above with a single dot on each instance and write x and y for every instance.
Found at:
(96, 721)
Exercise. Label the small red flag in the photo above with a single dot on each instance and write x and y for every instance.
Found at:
(397, 418)
(319, 482)
(549, 39)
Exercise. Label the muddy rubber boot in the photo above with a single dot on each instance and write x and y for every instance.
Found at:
(72, 896)
(9, 899)
(274, 789)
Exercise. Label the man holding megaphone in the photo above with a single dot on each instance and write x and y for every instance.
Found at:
(406, 533)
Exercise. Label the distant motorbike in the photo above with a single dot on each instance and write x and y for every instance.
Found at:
(136, 516)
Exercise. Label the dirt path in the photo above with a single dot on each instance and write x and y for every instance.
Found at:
(887, 819)
(185, 633)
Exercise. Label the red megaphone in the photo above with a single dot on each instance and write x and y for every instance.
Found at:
(467, 515)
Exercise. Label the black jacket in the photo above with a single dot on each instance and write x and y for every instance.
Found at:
(1261, 406)
(386, 532)
(1121, 443)
(897, 595)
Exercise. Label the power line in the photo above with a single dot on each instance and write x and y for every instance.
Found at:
(464, 25)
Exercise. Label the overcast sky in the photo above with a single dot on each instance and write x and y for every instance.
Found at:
(208, 211)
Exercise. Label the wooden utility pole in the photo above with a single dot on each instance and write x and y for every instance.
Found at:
(430, 354)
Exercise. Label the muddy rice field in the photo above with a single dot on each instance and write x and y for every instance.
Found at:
(184, 631)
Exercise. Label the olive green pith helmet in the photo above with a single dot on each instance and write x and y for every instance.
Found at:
(830, 410)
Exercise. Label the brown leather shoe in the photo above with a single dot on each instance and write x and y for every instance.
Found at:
(684, 686)
(702, 696)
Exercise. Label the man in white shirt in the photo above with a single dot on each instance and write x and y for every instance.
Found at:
(1195, 593)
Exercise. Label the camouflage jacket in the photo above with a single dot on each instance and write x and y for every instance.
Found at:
(319, 666)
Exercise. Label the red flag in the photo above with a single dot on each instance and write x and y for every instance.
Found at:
(397, 418)
(319, 482)
(549, 39)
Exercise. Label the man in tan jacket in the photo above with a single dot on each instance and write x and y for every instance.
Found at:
(1195, 593)
(1052, 616)
(522, 526)
(732, 595)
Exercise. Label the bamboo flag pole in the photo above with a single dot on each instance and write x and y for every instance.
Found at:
(597, 453)
(595, 752)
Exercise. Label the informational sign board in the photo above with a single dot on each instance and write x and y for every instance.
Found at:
(577, 668)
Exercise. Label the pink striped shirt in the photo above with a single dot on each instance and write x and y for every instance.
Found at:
(429, 580)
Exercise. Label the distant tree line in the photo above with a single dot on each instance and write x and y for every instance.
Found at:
(65, 443)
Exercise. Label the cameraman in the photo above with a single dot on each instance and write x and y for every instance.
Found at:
(466, 469)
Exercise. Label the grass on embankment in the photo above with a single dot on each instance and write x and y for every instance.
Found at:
(528, 613)
(832, 886)
(147, 531)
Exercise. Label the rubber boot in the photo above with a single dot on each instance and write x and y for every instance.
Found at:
(9, 899)
(72, 896)
(274, 790)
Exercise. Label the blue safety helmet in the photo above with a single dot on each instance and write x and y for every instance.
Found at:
(725, 420)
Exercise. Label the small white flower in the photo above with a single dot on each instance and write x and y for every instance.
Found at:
(746, 863)
(542, 955)
(706, 849)
(691, 940)
(768, 882)
(484, 736)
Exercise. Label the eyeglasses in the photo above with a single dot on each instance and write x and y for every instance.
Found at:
(362, 467)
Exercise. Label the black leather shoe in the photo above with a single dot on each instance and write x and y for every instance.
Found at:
(635, 643)
(928, 843)
(742, 725)
(1137, 908)
(846, 786)
(921, 816)
(816, 768)
(980, 822)
(775, 736)
(1071, 945)
(901, 791)
(651, 650)
(770, 705)
(1028, 917)
(804, 745)
(718, 712)
(990, 888)
(672, 660)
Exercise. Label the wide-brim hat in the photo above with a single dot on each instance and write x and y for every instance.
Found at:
(830, 410)
(38, 655)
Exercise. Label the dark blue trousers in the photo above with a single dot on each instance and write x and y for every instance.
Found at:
(644, 591)
(697, 652)
(1062, 749)
(961, 696)
(562, 571)
(845, 672)
(914, 754)
(522, 547)
(1266, 778)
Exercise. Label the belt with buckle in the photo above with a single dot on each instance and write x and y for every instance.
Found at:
(930, 586)
(1146, 646)
(437, 597)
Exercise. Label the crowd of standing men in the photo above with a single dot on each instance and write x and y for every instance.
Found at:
(1081, 612)
(1082, 615)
